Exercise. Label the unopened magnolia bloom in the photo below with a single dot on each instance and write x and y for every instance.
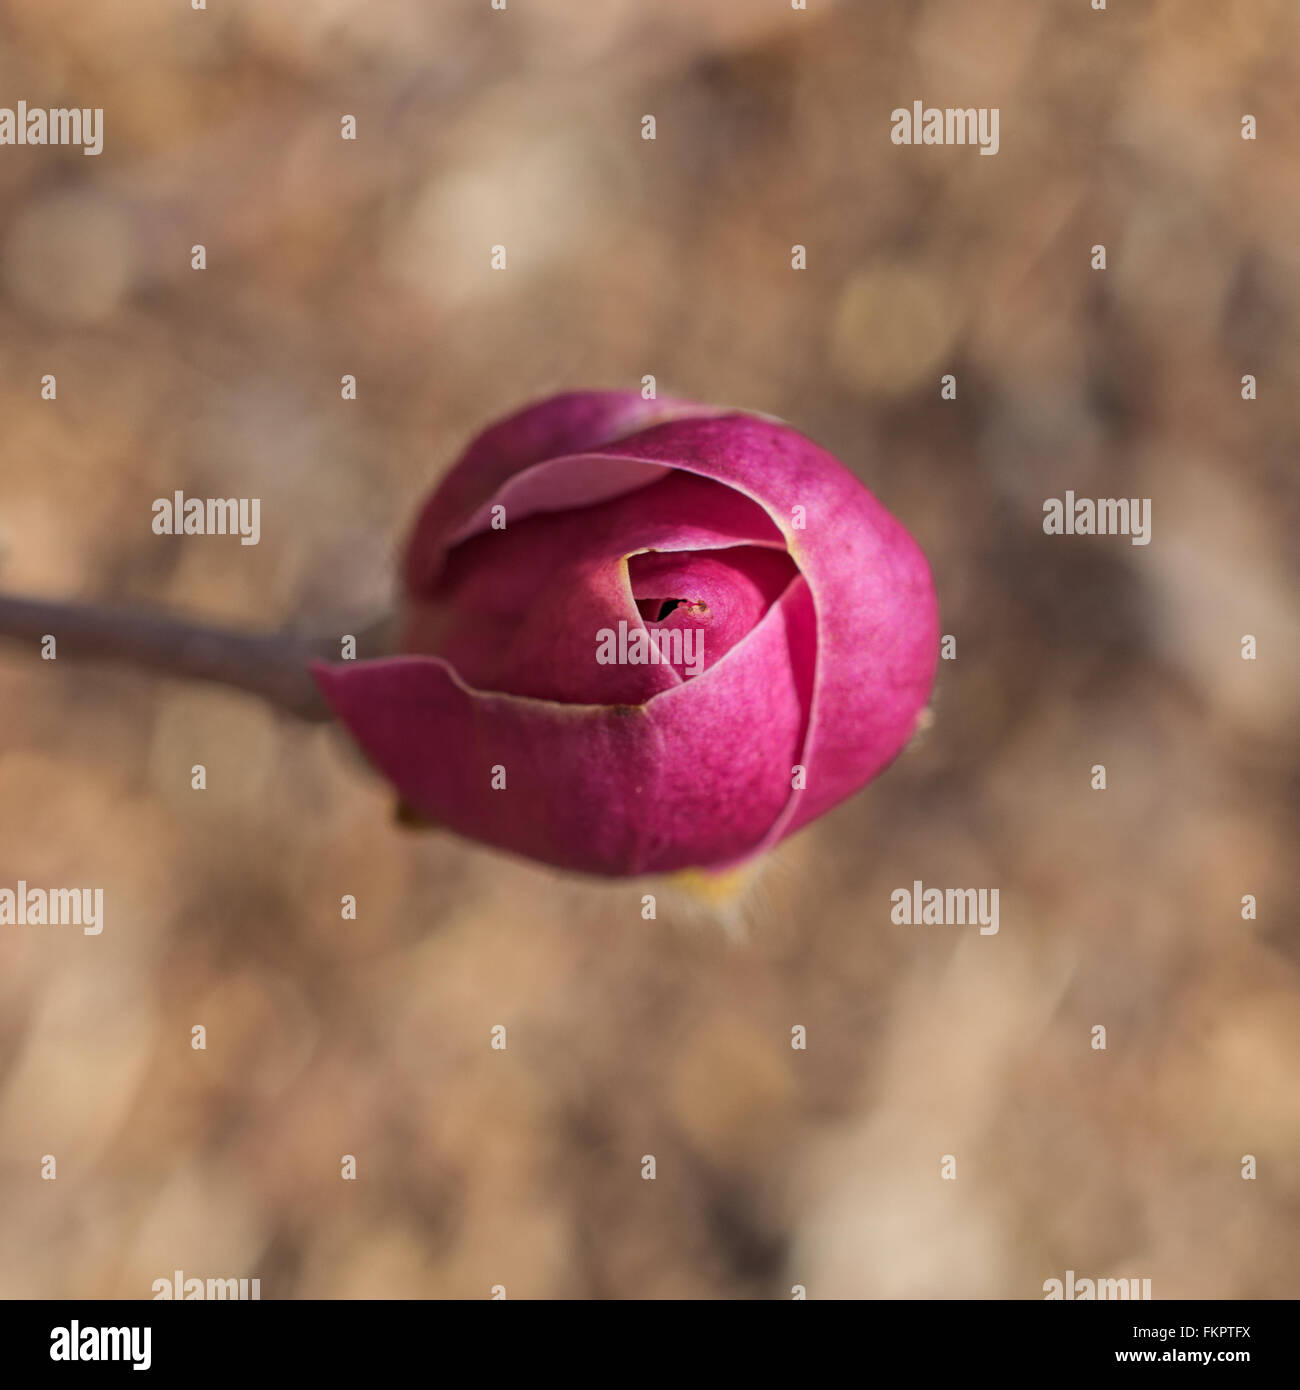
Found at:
(644, 636)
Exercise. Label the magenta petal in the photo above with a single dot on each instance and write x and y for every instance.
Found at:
(521, 613)
(576, 423)
(697, 776)
(877, 621)
(720, 595)
(520, 610)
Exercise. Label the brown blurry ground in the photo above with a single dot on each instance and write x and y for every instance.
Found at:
(775, 1167)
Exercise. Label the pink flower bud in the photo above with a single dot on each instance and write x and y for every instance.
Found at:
(644, 636)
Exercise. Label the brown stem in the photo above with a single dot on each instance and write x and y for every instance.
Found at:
(273, 666)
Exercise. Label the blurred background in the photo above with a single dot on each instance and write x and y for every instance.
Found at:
(627, 257)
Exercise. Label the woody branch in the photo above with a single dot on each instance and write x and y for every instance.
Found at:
(270, 665)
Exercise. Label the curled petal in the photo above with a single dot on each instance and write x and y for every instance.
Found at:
(696, 776)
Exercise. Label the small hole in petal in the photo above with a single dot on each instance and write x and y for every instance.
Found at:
(655, 610)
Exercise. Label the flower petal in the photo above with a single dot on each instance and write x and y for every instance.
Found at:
(695, 777)
(719, 594)
(575, 423)
(520, 610)
(877, 622)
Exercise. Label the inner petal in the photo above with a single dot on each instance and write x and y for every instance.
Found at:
(525, 610)
(697, 604)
